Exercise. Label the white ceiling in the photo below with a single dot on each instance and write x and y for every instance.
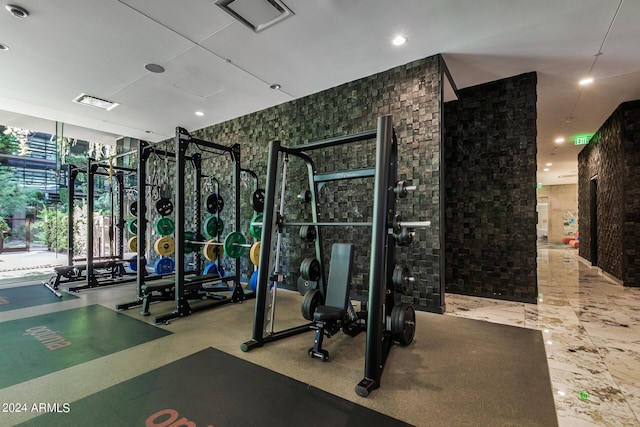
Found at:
(216, 65)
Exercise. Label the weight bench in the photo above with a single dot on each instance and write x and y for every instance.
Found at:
(73, 273)
(334, 314)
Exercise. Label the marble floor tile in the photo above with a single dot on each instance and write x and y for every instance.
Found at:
(591, 327)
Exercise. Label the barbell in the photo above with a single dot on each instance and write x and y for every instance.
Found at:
(399, 224)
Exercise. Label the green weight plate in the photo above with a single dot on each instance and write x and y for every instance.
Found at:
(210, 227)
(189, 236)
(256, 230)
(164, 226)
(232, 244)
(132, 226)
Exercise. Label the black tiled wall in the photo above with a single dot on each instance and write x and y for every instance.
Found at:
(411, 93)
(490, 190)
(613, 158)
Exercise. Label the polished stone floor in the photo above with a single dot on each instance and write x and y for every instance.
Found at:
(591, 326)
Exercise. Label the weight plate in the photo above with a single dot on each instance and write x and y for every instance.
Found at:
(310, 302)
(189, 236)
(400, 278)
(164, 246)
(310, 269)
(254, 253)
(305, 285)
(132, 244)
(403, 323)
(164, 226)
(210, 227)
(256, 230)
(211, 250)
(132, 226)
(133, 263)
(164, 206)
(308, 233)
(211, 268)
(232, 244)
(133, 208)
(164, 266)
(253, 282)
(215, 203)
(257, 200)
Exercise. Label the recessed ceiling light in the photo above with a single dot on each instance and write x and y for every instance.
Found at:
(4, 47)
(559, 140)
(549, 164)
(94, 101)
(154, 68)
(199, 113)
(17, 11)
(399, 40)
(546, 169)
(586, 81)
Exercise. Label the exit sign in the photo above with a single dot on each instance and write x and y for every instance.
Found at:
(582, 139)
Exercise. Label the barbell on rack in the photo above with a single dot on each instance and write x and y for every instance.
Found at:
(234, 246)
(396, 224)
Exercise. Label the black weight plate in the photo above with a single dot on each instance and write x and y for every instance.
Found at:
(133, 208)
(215, 203)
(403, 323)
(310, 302)
(164, 206)
(310, 269)
(257, 200)
(401, 279)
(308, 233)
(305, 285)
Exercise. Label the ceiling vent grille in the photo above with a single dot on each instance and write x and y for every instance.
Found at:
(256, 14)
(94, 101)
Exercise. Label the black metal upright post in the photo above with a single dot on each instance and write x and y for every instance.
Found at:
(197, 208)
(268, 222)
(90, 206)
(238, 294)
(375, 314)
(141, 206)
(73, 173)
(120, 222)
(181, 305)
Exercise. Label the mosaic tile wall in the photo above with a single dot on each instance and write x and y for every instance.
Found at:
(613, 154)
(411, 93)
(490, 190)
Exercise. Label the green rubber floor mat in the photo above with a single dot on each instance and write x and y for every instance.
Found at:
(38, 345)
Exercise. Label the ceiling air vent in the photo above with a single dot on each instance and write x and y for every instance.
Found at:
(256, 14)
(567, 176)
(93, 101)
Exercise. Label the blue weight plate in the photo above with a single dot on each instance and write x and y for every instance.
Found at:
(164, 266)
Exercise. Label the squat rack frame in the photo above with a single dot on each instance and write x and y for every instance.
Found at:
(182, 307)
(379, 340)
